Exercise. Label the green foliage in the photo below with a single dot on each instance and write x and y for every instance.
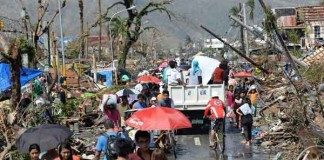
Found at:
(21, 156)
(267, 24)
(73, 50)
(235, 11)
(25, 47)
(293, 37)
(118, 27)
(251, 5)
(68, 109)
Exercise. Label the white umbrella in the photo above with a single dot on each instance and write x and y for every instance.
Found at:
(207, 65)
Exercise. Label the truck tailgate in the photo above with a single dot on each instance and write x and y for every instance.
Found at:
(195, 97)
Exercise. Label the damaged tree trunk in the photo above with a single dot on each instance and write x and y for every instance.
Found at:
(237, 51)
(13, 57)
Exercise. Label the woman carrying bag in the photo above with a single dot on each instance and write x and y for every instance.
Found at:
(246, 111)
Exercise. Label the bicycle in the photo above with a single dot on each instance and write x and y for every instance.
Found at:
(168, 141)
(219, 139)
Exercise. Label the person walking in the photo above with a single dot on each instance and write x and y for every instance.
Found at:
(124, 148)
(229, 95)
(246, 111)
(253, 94)
(158, 154)
(65, 152)
(34, 151)
(236, 104)
(111, 112)
(122, 108)
(142, 140)
(102, 143)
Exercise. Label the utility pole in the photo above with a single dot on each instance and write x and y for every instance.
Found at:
(100, 29)
(49, 45)
(259, 34)
(86, 42)
(241, 29)
(62, 39)
(235, 50)
(245, 33)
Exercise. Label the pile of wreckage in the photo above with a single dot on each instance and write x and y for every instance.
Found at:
(290, 120)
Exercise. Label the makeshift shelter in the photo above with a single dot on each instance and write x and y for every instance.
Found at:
(109, 77)
(26, 75)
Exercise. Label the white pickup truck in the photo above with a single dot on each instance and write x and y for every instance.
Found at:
(192, 101)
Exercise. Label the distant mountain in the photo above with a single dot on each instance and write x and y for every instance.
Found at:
(190, 14)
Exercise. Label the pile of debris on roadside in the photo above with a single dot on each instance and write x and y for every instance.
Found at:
(289, 119)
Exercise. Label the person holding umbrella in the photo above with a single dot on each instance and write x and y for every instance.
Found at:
(34, 152)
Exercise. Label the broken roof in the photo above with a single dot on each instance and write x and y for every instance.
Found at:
(317, 57)
(311, 13)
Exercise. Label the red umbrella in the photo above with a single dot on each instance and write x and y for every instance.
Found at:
(148, 79)
(158, 118)
(243, 74)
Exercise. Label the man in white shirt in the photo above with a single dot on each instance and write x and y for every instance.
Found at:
(174, 77)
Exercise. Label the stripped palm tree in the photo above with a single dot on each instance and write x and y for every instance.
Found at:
(82, 28)
(118, 32)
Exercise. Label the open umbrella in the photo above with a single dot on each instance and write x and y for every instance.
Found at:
(158, 118)
(126, 92)
(243, 74)
(163, 65)
(148, 79)
(47, 136)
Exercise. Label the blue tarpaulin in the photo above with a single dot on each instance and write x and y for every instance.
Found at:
(26, 74)
(108, 75)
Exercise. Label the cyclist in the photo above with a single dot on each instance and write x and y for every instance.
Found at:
(216, 109)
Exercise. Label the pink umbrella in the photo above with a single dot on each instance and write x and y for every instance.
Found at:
(243, 74)
(163, 65)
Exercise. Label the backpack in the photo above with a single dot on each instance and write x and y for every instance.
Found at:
(111, 152)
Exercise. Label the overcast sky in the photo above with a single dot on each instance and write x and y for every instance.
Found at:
(190, 14)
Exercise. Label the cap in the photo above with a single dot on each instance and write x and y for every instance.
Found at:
(215, 94)
(153, 99)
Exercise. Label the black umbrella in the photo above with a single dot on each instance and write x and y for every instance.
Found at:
(47, 136)
(126, 92)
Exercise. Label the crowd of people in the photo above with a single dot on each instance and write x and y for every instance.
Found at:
(240, 101)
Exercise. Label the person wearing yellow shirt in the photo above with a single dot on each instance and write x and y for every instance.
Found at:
(253, 94)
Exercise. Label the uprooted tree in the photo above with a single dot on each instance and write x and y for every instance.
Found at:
(134, 23)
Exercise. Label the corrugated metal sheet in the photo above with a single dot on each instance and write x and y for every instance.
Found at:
(287, 21)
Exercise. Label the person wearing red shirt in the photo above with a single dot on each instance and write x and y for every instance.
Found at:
(217, 77)
(216, 109)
